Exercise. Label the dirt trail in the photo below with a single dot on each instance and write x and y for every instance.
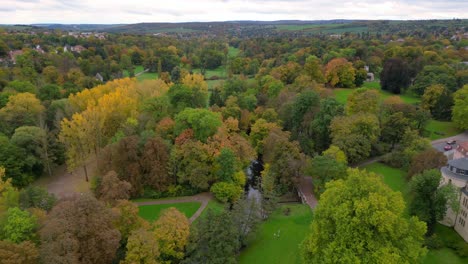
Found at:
(63, 183)
(203, 198)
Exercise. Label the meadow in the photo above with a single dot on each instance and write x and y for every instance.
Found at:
(152, 212)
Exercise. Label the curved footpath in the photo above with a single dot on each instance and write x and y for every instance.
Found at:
(202, 198)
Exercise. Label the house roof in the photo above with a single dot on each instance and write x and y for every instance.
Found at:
(463, 145)
(459, 163)
(453, 175)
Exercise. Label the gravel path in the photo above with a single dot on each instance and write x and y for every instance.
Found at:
(202, 198)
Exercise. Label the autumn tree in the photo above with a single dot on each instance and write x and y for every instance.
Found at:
(22, 253)
(360, 219)
(392, 127)
(21, 110)
(363, 101)
(154, 164)
(313, 69)
(142, 247)
(429, 200)
(355, 134)
(127, 219)
(286, 162)
(172, 232)
(426, 160)
(438, 100)
(340, 73)
(460, 109)
(192, 164)
(70, 236)
(111, 188)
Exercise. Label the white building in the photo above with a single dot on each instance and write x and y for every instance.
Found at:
(456, 173)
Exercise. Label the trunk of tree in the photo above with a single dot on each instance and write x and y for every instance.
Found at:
(86, 173)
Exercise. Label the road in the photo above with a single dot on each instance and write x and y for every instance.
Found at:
(439, 144)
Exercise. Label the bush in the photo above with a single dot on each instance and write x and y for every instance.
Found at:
(462, 249)
(36, 197)
(434, 242)
(226, 192)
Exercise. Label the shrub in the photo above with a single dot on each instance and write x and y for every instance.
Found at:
(434, 242)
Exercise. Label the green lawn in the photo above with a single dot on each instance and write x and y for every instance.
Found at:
(220, 72)
(394, 178)
(443, 128)
(138, 69)
(445, 255)
(341, 94)
(147, 76)
(152, 212)
(266, 248)
(233, 52)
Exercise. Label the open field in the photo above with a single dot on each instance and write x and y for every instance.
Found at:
(152, 212)
(394, 178)
(266, 248)
(342, 94)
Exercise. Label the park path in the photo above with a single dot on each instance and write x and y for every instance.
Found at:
(305, 187)
(140, 73)
(202, 198)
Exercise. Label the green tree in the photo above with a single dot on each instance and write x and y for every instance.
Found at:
(18, 226)
(313, 69)
(395, 76)
(36, 197)
(324, 169)
(392, 127)
(227, 192)
(434, 74)
(213, 240)
(203, 122)
(426, 160)
(320, 126)
(429, 201)
(361, 220)
(226, 163)
(460, 109)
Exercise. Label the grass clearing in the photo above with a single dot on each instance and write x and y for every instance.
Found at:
(265, 248)
(233, 52)
(152, 212)
(341, 94)
(394, 178)
(220, 72)
(441, 129)
(147, 76)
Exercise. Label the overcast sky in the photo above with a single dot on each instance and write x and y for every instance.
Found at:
(135, 11)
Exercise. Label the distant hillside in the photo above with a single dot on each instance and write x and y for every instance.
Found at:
(266, 28)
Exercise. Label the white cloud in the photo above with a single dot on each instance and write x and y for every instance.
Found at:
(134, 11)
